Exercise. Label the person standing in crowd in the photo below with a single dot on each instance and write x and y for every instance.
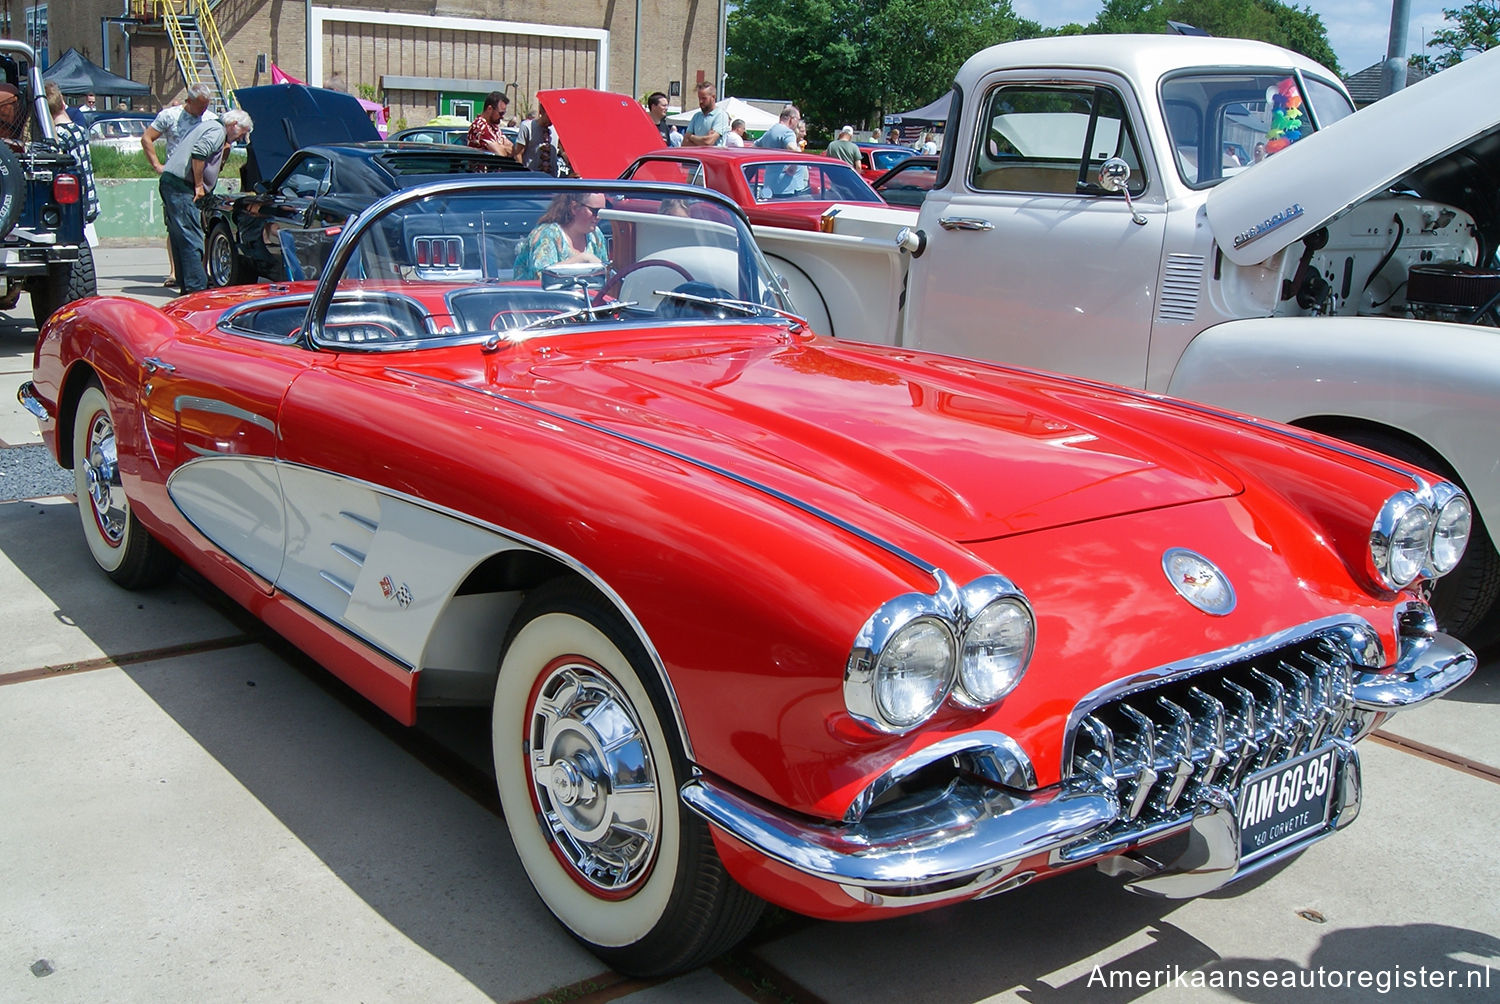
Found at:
(75, 140)
(188, 176)
(844, 149)
(536, 146)
(173, 123)
(674, 138)
(736, 136)
(895, 137)
(929, 144)
(791, 180)
(484, 131)
(656, 106)
(710, 122)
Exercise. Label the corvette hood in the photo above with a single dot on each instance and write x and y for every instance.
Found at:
(940, 442)
(1258, 212)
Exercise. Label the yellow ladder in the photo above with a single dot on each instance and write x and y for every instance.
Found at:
(190, 20)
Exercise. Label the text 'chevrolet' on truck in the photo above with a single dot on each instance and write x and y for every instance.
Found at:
(1211, 219)
(43, 250)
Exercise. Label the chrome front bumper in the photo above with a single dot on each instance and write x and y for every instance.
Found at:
(970, 840)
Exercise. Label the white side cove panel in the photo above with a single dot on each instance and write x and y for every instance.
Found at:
(236, 503)
(383, 567)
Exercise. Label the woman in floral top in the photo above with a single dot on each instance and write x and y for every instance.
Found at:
(567, 232)
(73, 139)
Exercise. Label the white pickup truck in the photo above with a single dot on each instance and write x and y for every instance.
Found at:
(1345, 282)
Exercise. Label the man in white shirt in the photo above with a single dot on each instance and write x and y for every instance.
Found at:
(736, 135)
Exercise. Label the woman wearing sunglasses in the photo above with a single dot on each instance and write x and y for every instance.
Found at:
(567, 232)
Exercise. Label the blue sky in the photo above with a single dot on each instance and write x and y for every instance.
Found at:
(1357, 28)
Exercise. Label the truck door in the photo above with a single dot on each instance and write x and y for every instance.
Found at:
(1028, 260)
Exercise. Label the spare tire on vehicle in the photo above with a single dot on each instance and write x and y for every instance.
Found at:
(12, 188)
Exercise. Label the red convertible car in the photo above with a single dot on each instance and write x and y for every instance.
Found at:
(775, 188)
(760, 615)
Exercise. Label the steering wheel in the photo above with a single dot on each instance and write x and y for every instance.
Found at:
(616, 281)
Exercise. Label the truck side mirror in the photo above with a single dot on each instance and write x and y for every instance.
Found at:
(1114, 176)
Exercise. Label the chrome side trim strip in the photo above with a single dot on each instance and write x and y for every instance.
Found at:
(358, 520)
(333, 580)
(752, 484)
(349, 553)
(213, 406)
(997, 754)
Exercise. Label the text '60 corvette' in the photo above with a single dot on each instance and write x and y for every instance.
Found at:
(761, 615)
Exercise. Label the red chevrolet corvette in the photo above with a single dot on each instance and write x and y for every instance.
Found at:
(760, 615)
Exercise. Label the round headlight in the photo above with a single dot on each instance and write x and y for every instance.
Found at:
(1450, 534)
(1410, 539)
(914, 672)
(995, 650)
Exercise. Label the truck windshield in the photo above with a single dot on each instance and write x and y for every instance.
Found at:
(1222, 123)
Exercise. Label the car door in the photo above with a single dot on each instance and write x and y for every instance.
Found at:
(1028, 260)
(211, 403)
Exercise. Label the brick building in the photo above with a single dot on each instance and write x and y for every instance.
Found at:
(419, 57)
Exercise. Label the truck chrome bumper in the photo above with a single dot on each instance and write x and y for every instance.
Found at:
(1427, 669)
(963, 845)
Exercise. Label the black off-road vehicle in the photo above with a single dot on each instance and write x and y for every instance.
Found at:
(43, 250)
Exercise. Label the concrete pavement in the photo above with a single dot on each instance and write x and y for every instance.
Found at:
(190, 811)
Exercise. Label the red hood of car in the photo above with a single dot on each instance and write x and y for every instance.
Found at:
(602, 133)
(936, 441)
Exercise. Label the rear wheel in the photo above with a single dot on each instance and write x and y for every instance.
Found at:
(63, 283)
(1463, 600)
(118, 542)
(588, 780)
(222, 260)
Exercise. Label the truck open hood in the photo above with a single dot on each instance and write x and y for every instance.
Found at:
(601, 132)
(1407, 137)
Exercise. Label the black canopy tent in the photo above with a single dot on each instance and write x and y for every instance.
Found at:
(934, 113)
(75, 74)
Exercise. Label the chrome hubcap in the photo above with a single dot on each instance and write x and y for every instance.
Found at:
(101, 469)
(592, 777)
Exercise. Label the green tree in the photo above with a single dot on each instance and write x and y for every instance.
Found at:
(1295, 28)
(1477, 29)
(846, 60)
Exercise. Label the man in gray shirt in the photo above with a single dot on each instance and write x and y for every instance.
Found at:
(172, 124)
(190, 174)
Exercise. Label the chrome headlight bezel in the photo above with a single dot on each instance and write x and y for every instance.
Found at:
(952, 607)
(1449, 506)
(965, 691)
(1415, 516)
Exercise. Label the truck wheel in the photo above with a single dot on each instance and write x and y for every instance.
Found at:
(222, 260)
(12, 189)
(588, 783)
(1464, 599)
(121, 547)
(63, 283)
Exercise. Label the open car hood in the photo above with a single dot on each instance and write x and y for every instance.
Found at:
(601, 132)
(290, 116)
(1409, 137)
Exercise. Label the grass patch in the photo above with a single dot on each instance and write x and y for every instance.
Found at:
(112, 163)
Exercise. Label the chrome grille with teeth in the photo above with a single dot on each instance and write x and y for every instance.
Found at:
(1158, 746)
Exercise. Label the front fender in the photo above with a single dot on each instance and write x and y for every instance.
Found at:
(1438, 383)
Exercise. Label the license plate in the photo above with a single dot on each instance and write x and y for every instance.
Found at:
(1284, 803)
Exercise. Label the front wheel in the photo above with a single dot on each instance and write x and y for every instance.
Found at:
(118, 542)
(222, 261)
(588, 780)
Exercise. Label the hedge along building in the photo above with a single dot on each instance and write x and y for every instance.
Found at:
(421, 57)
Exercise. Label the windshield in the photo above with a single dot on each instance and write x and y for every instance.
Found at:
(473, 260)
(1222, 123)
(809, 180)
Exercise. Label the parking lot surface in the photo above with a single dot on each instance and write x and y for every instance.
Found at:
(190, 809)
